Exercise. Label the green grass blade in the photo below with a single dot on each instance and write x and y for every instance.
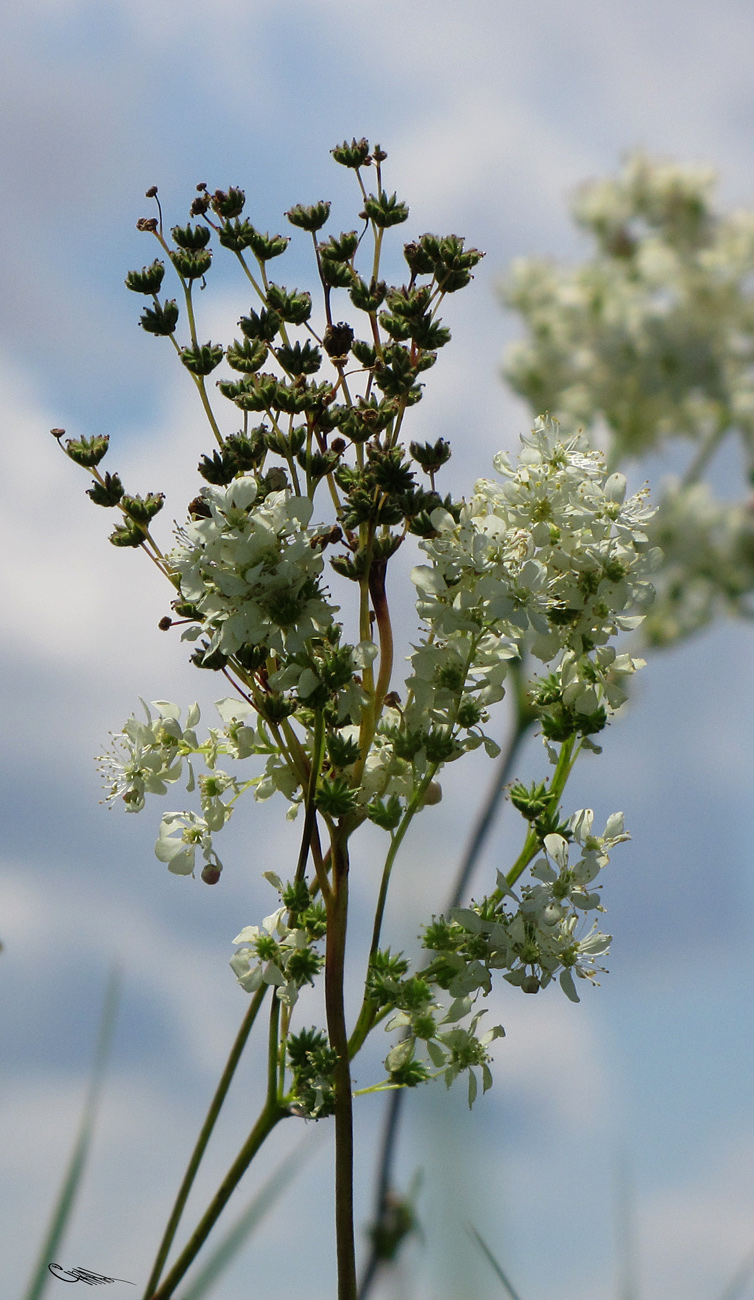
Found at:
(252, 1216)
(65, 1203)
(482, 1244)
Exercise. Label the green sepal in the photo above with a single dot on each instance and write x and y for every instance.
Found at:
(340, 248)
(310, 218)
(212, 660)
(203, 359)
(160, 319)
(87, 451)
(337, 275)
(397, 378)
(148, 279)
(108, 493)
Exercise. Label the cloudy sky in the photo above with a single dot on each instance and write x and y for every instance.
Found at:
(491, 113)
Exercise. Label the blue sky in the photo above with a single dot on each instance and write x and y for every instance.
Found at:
(491, 113)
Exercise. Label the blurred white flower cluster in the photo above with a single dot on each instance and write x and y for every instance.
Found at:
(650, 338)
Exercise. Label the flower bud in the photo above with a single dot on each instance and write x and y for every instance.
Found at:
(160, 319)
(310, 218)
(148, 279)
(87, 451)
(355, 154)
(107, 493)
(191, 237)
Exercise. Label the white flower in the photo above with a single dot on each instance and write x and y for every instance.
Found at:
(181, 834)
(148, 756)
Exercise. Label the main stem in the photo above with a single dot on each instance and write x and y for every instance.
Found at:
(337, 917)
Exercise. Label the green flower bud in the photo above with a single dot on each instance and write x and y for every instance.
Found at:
(148, 279)
(385, 813)
(128, 535)
(142, 509)
(337, 275)
(532, 802)
(202, 360)
(339, 248)
(191, 237)
(310, 218)
(160, 319)
(335, 797)
(431, 456)
(262, 326)
(228, 203)
(87, 451)
(364, 352)
(295, 307)
(192, 265)
(355, 154)
(108, 493)
(220, 469)
(419, 260)
(439, 745)
(265, 247)
(300, 358)
(342, 751)
(277, 708)
(247, 356)
(367, 297)
(235, 235)
(385, 210)
(247, 449)
(213, 660)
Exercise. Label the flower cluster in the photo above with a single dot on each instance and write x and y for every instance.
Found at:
(655, 333)
(555, 557)
(276, 953)
(543, 936)
(249, 570)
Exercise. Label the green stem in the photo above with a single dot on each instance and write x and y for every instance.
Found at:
(337, 916)
(568, 755)
(203, 1138)
(272, 1113)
